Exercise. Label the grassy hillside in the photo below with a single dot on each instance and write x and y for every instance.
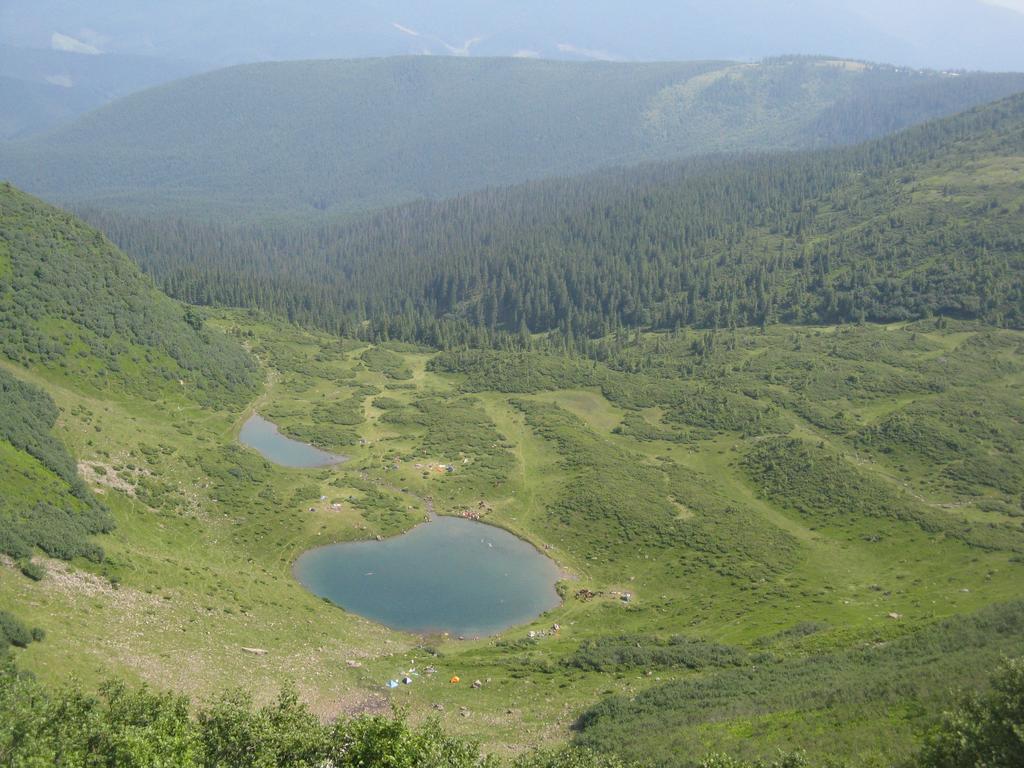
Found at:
(144, 727)
(73, 305)
(45, 504)
(844, 693)
(769, 529)
(336, 136)
(75, 310)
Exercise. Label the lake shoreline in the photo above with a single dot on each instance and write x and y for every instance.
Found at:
(424, 591)
(266, 438)
(470, 529)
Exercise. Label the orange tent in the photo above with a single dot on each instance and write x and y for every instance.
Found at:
(455, 679)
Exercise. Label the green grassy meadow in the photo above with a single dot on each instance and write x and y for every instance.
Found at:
(780, 505)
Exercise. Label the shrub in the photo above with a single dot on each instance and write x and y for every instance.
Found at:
(12, 631)
(33, 570)
(985, 730)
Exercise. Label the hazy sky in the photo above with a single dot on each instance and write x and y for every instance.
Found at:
(943, 34)
(1015, 5)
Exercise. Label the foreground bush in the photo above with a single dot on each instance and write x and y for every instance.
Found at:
(983, 731)
(125, 728)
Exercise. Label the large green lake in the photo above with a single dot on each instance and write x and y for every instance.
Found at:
(448, 575)
(264, 437)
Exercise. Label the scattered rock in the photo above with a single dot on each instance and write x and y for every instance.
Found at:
(895, 616)
(255, 651)
(477, 684)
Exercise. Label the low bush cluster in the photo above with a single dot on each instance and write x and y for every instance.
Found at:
(61, 520)
(119, 727)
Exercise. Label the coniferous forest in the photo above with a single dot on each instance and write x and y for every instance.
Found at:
(887, 231)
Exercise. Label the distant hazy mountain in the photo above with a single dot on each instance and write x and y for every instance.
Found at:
(336, 136)
(40, 88)
(27, 107)
(944, 34)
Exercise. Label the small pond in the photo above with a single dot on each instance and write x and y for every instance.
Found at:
(448, 575)
(264, 437)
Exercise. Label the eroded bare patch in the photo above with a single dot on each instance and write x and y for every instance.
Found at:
(101, 476)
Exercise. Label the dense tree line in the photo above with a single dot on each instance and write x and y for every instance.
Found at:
(823, 237)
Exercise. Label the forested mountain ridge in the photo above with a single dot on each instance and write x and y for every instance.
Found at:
(72, 304)
(305, 138)
(927, 221)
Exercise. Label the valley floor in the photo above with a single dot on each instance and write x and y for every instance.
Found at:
(806, 520)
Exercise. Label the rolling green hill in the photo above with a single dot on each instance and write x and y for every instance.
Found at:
(338, 136)
(925, 222)
(73, 305)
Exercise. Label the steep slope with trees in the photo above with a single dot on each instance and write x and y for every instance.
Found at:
(72, 304)
(925, 222)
